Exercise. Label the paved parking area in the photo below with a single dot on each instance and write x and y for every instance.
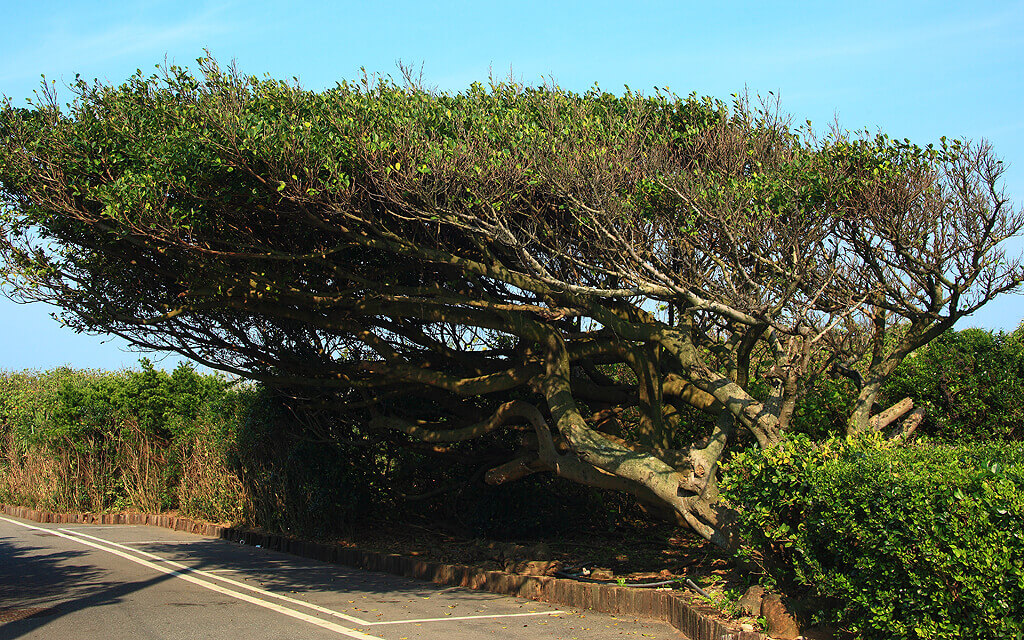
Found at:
(91, 581)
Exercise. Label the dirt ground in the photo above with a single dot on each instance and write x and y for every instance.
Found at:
(643, 553)
(654, 553)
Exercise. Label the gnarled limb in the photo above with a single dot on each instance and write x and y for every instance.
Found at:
(591, 446)
(506, 414)
(908, 426)
(515, 469)
(676, 386)
(890, 415)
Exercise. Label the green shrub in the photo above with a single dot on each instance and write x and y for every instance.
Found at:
(970, 382)
(925, 541)
(65, 403)
(824, 408)
(302, 482)
(95, 441)
(146, 439)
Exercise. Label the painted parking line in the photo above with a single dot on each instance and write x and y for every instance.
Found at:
(101, 526)
(173, 542)
(184, 575)
(447, 618)
(358, 621)
(275, 569)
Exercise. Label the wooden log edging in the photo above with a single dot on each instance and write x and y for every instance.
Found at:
(688, 616)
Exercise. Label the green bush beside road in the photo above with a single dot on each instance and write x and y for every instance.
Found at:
(135, 439)
(970, 383)
(155, 441)
(922, 541)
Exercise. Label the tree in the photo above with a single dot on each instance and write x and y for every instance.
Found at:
(587, 269)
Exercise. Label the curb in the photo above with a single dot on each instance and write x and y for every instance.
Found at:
(690, 617)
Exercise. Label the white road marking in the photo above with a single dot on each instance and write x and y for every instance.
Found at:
(496, 615)
(358, 621)
(184, 575)
(102, 526)
(276, 569)
(174, 542)
(185, 569)
(242, 585)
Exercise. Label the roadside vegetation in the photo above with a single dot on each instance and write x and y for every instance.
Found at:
(919, 541)
(202, 446)
(455, 270)
(107, 441)
(916, 541)
(896, 540)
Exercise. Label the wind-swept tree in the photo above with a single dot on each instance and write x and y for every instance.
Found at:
(586, 268)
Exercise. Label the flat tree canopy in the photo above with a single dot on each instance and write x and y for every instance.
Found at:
(589, 269)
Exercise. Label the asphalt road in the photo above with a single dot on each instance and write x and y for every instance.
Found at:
(125, 581)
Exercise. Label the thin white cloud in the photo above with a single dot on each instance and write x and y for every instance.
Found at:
(921, 37)
(63, 50)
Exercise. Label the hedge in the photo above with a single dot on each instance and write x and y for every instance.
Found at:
(922, 541)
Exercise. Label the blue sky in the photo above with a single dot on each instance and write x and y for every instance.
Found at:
(919, 70)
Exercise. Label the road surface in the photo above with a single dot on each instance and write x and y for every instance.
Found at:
(129, 581)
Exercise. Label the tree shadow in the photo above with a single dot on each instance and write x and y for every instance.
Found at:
(38, 584)
(288, 574)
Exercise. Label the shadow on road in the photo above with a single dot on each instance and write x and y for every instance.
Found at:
(38, 584)
(283, 573)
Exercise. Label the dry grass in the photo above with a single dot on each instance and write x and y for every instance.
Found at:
(208, 488)
(127, 470)
(143, 472)
(60, 477)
